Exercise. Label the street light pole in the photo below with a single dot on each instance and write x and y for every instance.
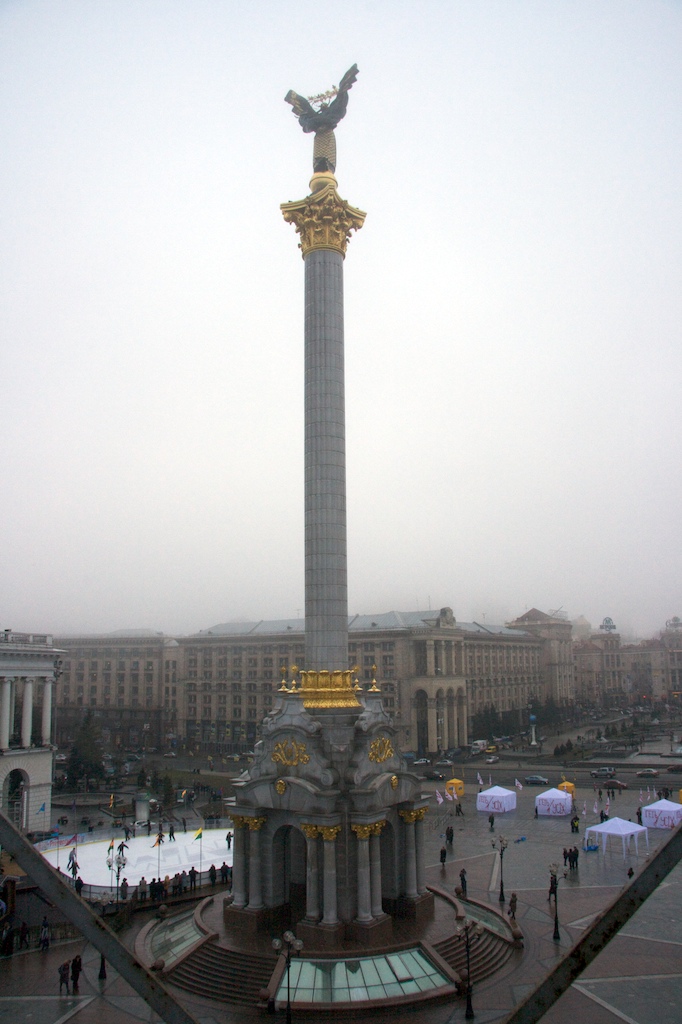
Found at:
(469, 930)
(501, 843)
(293, 946)
(554, 887)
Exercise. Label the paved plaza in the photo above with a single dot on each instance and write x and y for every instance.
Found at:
(637, 979)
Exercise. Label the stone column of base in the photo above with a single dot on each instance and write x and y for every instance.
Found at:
(419, 850)
(46, 729)
(5, 705)
(363, 833)
(375, 868)
(239, 863)
(312, 902)
(255, 884)
(27, 713)
(329, 835)
(409, 817)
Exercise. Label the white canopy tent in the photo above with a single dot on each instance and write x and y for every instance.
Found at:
(554, 802)
(662, 814)
(617, 827)
(496, 800)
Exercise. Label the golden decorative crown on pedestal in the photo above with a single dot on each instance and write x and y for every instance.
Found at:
(328, 689)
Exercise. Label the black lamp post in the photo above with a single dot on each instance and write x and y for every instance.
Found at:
(469, 930)
(554, 887)
(292, 946)
(501, 844)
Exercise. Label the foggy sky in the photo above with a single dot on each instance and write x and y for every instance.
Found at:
(512, 308)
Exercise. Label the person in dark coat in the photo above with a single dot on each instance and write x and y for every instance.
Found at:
(463, 881)
(512, 906)
(76, 971)
(443, 855)
(212, 874)
(223, 873)
(63, 970)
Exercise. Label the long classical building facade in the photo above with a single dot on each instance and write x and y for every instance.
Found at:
(212, 690)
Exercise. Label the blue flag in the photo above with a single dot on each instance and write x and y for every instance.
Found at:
(41, 809)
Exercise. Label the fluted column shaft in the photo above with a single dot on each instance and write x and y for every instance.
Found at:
(375, 873)
(364, 890)
(410, 855)
(27, 713)
(46, 730)
(419, 854)
(312, 901)
(255, 884)
(239, 867)
(5, 706)
(330, 903)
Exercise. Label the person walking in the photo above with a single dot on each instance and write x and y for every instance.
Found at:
(512, 907)
(192, 878)
(76, 971)
(63, 970)
(565, 856)
(78, 885)
(491, 822)
(463, 881)
(576, 854)
(228, 840)
(223, 873)
(184, 825)
(212, 874)
(171, 833)
(45, 935)
(443, 856)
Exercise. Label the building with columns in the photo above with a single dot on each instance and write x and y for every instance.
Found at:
(29, 668)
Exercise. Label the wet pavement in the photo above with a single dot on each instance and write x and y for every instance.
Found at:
(637, 979)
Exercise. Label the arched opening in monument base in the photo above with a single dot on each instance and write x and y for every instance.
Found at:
(288, 875)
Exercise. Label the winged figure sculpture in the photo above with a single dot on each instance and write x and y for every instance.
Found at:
(323, 121)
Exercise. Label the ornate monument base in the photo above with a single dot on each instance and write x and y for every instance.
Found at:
(321, 936)
(371, 934)
(419, 910)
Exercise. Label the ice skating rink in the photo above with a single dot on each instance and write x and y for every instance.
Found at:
(143, 858)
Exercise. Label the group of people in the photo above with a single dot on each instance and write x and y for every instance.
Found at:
(571, 857)
(575, 824)
(74, 968)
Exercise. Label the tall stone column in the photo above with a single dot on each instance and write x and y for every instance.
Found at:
(409, 818)
(5, 706)
(329, 834)
(312, 901)
(375, 868)
(324, 222)
(27, 713)
(239, 863)
(46, 731)
(419, 850)
(363, 833)
(255, 881)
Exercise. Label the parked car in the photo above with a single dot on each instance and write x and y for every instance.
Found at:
(648, 773)
(536, 780)
(603, 773)
(60, 758)
(493, 759)
(444, 764)
(434, 776)
(421, 760)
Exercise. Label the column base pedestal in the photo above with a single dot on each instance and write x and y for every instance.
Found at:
(371, 934)
(418, 909)
(248, 921)
(320, 936)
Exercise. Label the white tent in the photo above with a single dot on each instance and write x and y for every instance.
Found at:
(496, 800)
(554, 801)
(617, 827)
(662, 814)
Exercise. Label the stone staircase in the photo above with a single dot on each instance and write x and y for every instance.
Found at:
(488, 954)
(217, 973)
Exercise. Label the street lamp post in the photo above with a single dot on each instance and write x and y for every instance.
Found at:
(501, 844)
(554, 887)
(469, 930)
(292, 946)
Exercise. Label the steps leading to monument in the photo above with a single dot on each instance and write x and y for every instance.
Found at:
(218, 973)
(488, 954)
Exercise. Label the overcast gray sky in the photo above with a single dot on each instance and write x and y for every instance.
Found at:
(512, 308)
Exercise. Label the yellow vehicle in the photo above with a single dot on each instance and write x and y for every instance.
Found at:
(492, 749)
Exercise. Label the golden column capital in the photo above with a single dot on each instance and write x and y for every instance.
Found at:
(409, 817)
(255, 824)
(362, 831)
(329, 832)
(239, 821)
(421, 813)
(310, 831)
(377, 827)
(323, 220)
